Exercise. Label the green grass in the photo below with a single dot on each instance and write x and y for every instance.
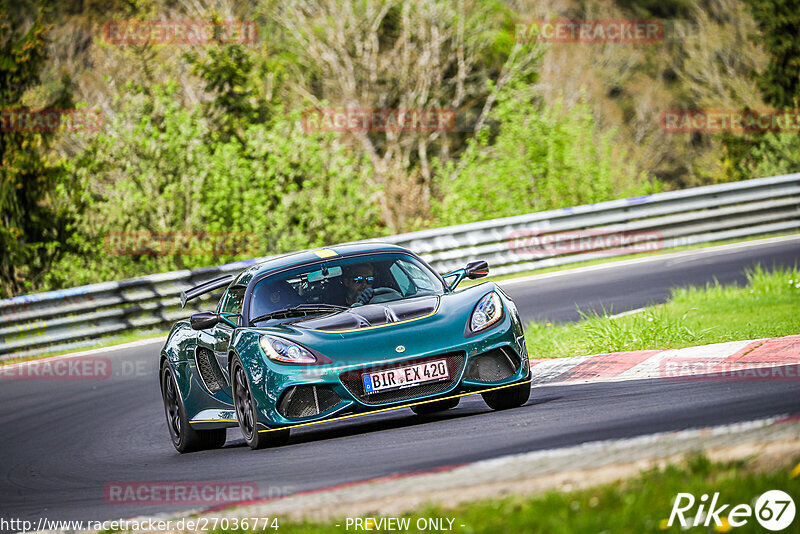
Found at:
(639, 504)
(768, 306)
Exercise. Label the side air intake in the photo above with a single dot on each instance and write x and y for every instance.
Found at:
(209, 370)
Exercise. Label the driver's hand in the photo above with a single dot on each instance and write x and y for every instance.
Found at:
(365, 296)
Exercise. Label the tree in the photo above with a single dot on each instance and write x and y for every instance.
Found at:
(771, 153)
(158, 167)
(779, 21)
(422, 55)
(227, 72)
(34, 222)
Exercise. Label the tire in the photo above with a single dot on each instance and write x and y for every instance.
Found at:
(434, 407)
(246, 412)
(503, 399)
(184, 437)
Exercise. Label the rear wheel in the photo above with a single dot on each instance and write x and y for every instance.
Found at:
(184, 437)
(246, 412)
(503, 399)
(434, 407)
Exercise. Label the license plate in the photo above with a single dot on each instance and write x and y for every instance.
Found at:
(403, 377)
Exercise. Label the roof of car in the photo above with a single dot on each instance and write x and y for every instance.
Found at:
(306, 256)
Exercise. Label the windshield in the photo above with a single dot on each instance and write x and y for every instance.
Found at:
(349, 282)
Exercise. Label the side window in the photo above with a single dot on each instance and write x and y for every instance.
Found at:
(419, 278)
(232, 302)
(402, 279)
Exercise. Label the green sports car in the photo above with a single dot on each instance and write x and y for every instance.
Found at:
(320, 334)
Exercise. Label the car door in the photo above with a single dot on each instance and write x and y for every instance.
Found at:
(222, 333)
(213, 343)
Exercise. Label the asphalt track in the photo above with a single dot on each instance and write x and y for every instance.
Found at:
(64, 441)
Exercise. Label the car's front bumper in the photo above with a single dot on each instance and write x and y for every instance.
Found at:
(290, 395)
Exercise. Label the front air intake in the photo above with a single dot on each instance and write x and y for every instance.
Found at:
(307, 401)
(492, 366)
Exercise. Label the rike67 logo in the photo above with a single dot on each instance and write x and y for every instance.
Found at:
(774, 510)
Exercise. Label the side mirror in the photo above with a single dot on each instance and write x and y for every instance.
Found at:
(477, 269)
(203, 320)
(473, 270)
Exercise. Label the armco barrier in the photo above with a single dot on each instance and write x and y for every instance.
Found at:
(71, 317)
(676, 218)
(57, 320)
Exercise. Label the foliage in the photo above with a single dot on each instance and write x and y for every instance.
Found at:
(424, 55)
(780, 27)
(227, 72)
(579, 125)
(778, 153)
(33, 224)
(539, 158)
(772, 153)
(758, 155)
(159, 167)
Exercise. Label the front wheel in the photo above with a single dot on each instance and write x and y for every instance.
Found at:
(511, 397)
(247, 413)
(184, 437)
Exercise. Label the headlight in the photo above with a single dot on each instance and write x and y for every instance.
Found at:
(282, 350)
(488, 311)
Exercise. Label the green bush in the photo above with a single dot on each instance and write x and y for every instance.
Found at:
(534, 159)
(155, 168)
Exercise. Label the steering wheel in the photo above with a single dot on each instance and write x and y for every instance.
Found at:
(379, 294)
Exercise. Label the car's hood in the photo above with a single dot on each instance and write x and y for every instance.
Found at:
(425, 325)
(371, 315)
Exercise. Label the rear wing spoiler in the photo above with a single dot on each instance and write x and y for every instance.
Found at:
(205, 287)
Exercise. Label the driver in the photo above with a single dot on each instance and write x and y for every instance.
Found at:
(358, 280)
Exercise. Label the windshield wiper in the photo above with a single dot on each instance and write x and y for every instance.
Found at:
(299, 310)
(321, 306)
